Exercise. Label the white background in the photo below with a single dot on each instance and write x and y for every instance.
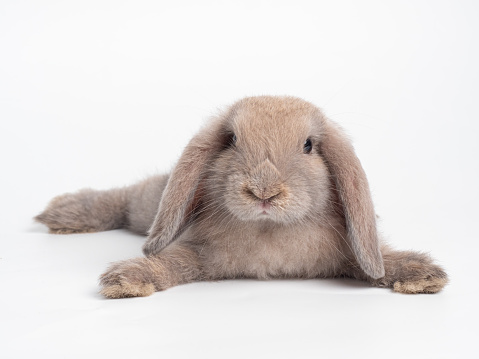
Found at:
(104, 93)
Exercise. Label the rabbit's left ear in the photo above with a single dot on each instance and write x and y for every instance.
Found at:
(183, 190)
(353, 190)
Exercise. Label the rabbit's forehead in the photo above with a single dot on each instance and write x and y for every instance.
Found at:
(274, 128)
(273, 119)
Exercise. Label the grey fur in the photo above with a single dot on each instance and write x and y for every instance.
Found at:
(258, 208)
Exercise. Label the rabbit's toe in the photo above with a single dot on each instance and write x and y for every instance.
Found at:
(70, 230)
(125, 280)
(432, 285)
(124, 289)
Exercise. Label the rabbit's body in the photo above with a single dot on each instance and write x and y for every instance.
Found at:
(271, 189)
(264, 251)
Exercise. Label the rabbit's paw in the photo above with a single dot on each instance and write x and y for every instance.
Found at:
(428, 285)
(420, 276)
(412, 273)
(124, 289)
(124, 280)
(84, 211)
(68, 213)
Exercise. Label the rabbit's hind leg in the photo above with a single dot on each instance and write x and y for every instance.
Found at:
(85, 211)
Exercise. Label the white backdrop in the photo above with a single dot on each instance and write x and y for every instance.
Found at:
(104, 93)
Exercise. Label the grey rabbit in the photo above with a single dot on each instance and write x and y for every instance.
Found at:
(270, 188)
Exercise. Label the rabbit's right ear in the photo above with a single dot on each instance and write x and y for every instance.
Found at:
(353, 191)
(183, 190)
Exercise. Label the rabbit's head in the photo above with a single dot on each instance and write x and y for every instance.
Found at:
(271, 159)
(270, 167)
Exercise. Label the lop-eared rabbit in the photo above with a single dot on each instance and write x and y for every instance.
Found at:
(270, 188)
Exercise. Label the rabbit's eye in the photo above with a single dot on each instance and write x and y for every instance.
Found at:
(308, 146)
(229, 140)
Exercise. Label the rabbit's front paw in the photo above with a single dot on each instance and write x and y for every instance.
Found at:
(412, 273)
(428, 285)
(126, 279)
(420, 276)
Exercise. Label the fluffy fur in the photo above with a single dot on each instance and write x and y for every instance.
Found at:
(271, 188)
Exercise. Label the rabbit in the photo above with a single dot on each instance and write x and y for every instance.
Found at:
(269, 188)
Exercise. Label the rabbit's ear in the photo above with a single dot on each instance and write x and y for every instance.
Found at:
(183, 190)
(353, 191)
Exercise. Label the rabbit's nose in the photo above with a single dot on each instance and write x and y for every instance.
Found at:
(264, 182)
(263, 194)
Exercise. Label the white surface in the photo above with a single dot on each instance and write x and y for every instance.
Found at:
(101, 94)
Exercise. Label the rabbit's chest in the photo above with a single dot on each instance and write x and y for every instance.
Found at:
(271, 254)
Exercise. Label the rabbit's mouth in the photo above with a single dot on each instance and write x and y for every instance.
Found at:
(267, 209)
(264, 207)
